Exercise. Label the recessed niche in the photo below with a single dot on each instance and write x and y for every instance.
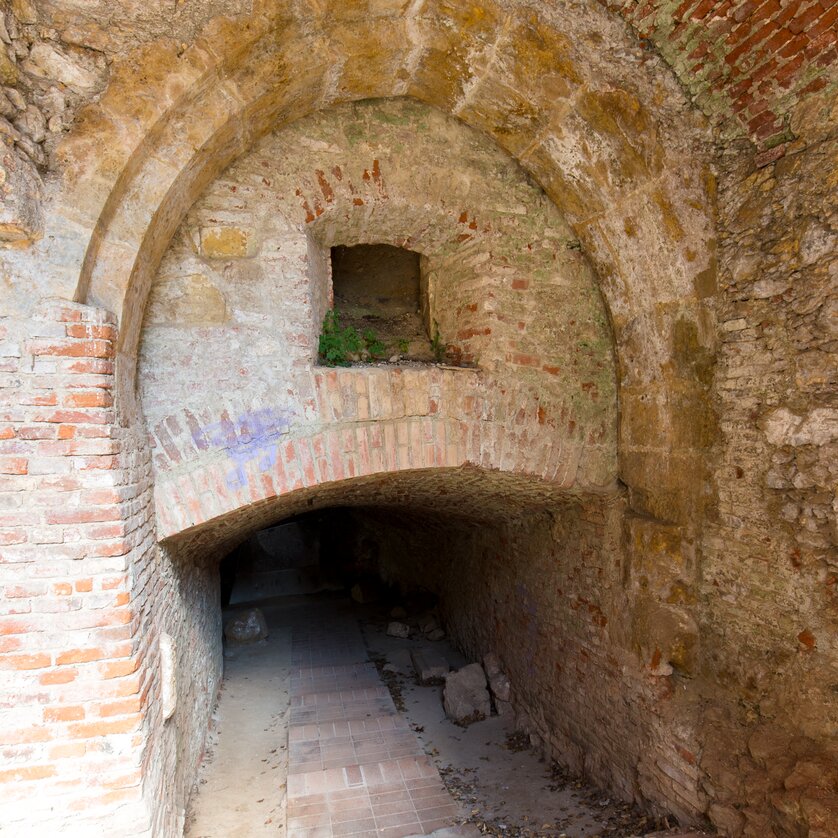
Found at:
(380, 294)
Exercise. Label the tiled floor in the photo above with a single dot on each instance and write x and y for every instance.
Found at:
(355, 768)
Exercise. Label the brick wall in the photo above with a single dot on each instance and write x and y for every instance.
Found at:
(74, 689)
(554, 593)
(240, 296)
(746, 65)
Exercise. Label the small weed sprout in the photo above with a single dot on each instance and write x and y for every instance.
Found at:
(374, 346)
(338, 345)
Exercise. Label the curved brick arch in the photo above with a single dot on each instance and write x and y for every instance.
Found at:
(539, 391)
(263, 478)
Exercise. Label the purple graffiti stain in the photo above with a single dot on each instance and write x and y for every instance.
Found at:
(251, 437)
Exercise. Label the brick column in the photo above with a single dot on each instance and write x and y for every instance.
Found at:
(73, 692)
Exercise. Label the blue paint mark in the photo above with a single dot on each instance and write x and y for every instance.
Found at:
(251, 437)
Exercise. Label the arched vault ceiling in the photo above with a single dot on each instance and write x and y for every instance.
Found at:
(564, 88)
(605, 131)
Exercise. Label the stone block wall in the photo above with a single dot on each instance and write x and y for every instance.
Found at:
(769, 558)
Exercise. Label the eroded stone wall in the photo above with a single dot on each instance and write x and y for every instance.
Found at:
(769, 566)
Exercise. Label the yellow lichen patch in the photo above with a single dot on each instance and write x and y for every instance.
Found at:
(568, 194)
(501, 111)
(442, 74)
(96, 145)
(623, 124)
(670, 219)
(481, 20)
(226, 243)
(537, 51)
(371, 55)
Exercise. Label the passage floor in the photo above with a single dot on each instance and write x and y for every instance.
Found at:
(308, 743)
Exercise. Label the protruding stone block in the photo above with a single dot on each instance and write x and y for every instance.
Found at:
(21, 220)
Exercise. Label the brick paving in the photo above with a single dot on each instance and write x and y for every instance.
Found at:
(354, 767)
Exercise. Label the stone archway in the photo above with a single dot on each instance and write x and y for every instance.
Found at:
(597, 135)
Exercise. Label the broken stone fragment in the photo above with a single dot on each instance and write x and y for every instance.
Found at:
(430, 666)
(499, 684)
(46, 61)
(466, 830)
(21, 219)
(246, 627)
(32, 123)
(16, 98)
(397, 629)
(7, 109)
(436, 634)
(465, 697)
(504, 708)
(399, 662)
(9, 73)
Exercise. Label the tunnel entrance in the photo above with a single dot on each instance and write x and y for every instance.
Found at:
(367, 608)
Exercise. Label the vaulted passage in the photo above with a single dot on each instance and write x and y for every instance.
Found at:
(306, 729)
(528, 305)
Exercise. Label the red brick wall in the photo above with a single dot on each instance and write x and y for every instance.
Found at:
(745, 64)
(74, 687)
(555, 595)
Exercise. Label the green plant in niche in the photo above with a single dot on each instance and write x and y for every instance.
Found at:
(339, 345)
(373, 345)
(437, 346)
(403, 345)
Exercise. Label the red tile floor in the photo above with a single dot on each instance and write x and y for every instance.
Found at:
(354, 768)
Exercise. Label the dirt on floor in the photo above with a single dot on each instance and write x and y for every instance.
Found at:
(503, 785)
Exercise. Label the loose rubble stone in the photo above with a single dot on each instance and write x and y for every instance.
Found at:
(246, 627)
(465, 697)
(436, 634)
(430, 666)
(499, 684)
(47, 60)
(21, 219)
(465, 831)
(428, 623)
(396, 629)
(399, 662)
